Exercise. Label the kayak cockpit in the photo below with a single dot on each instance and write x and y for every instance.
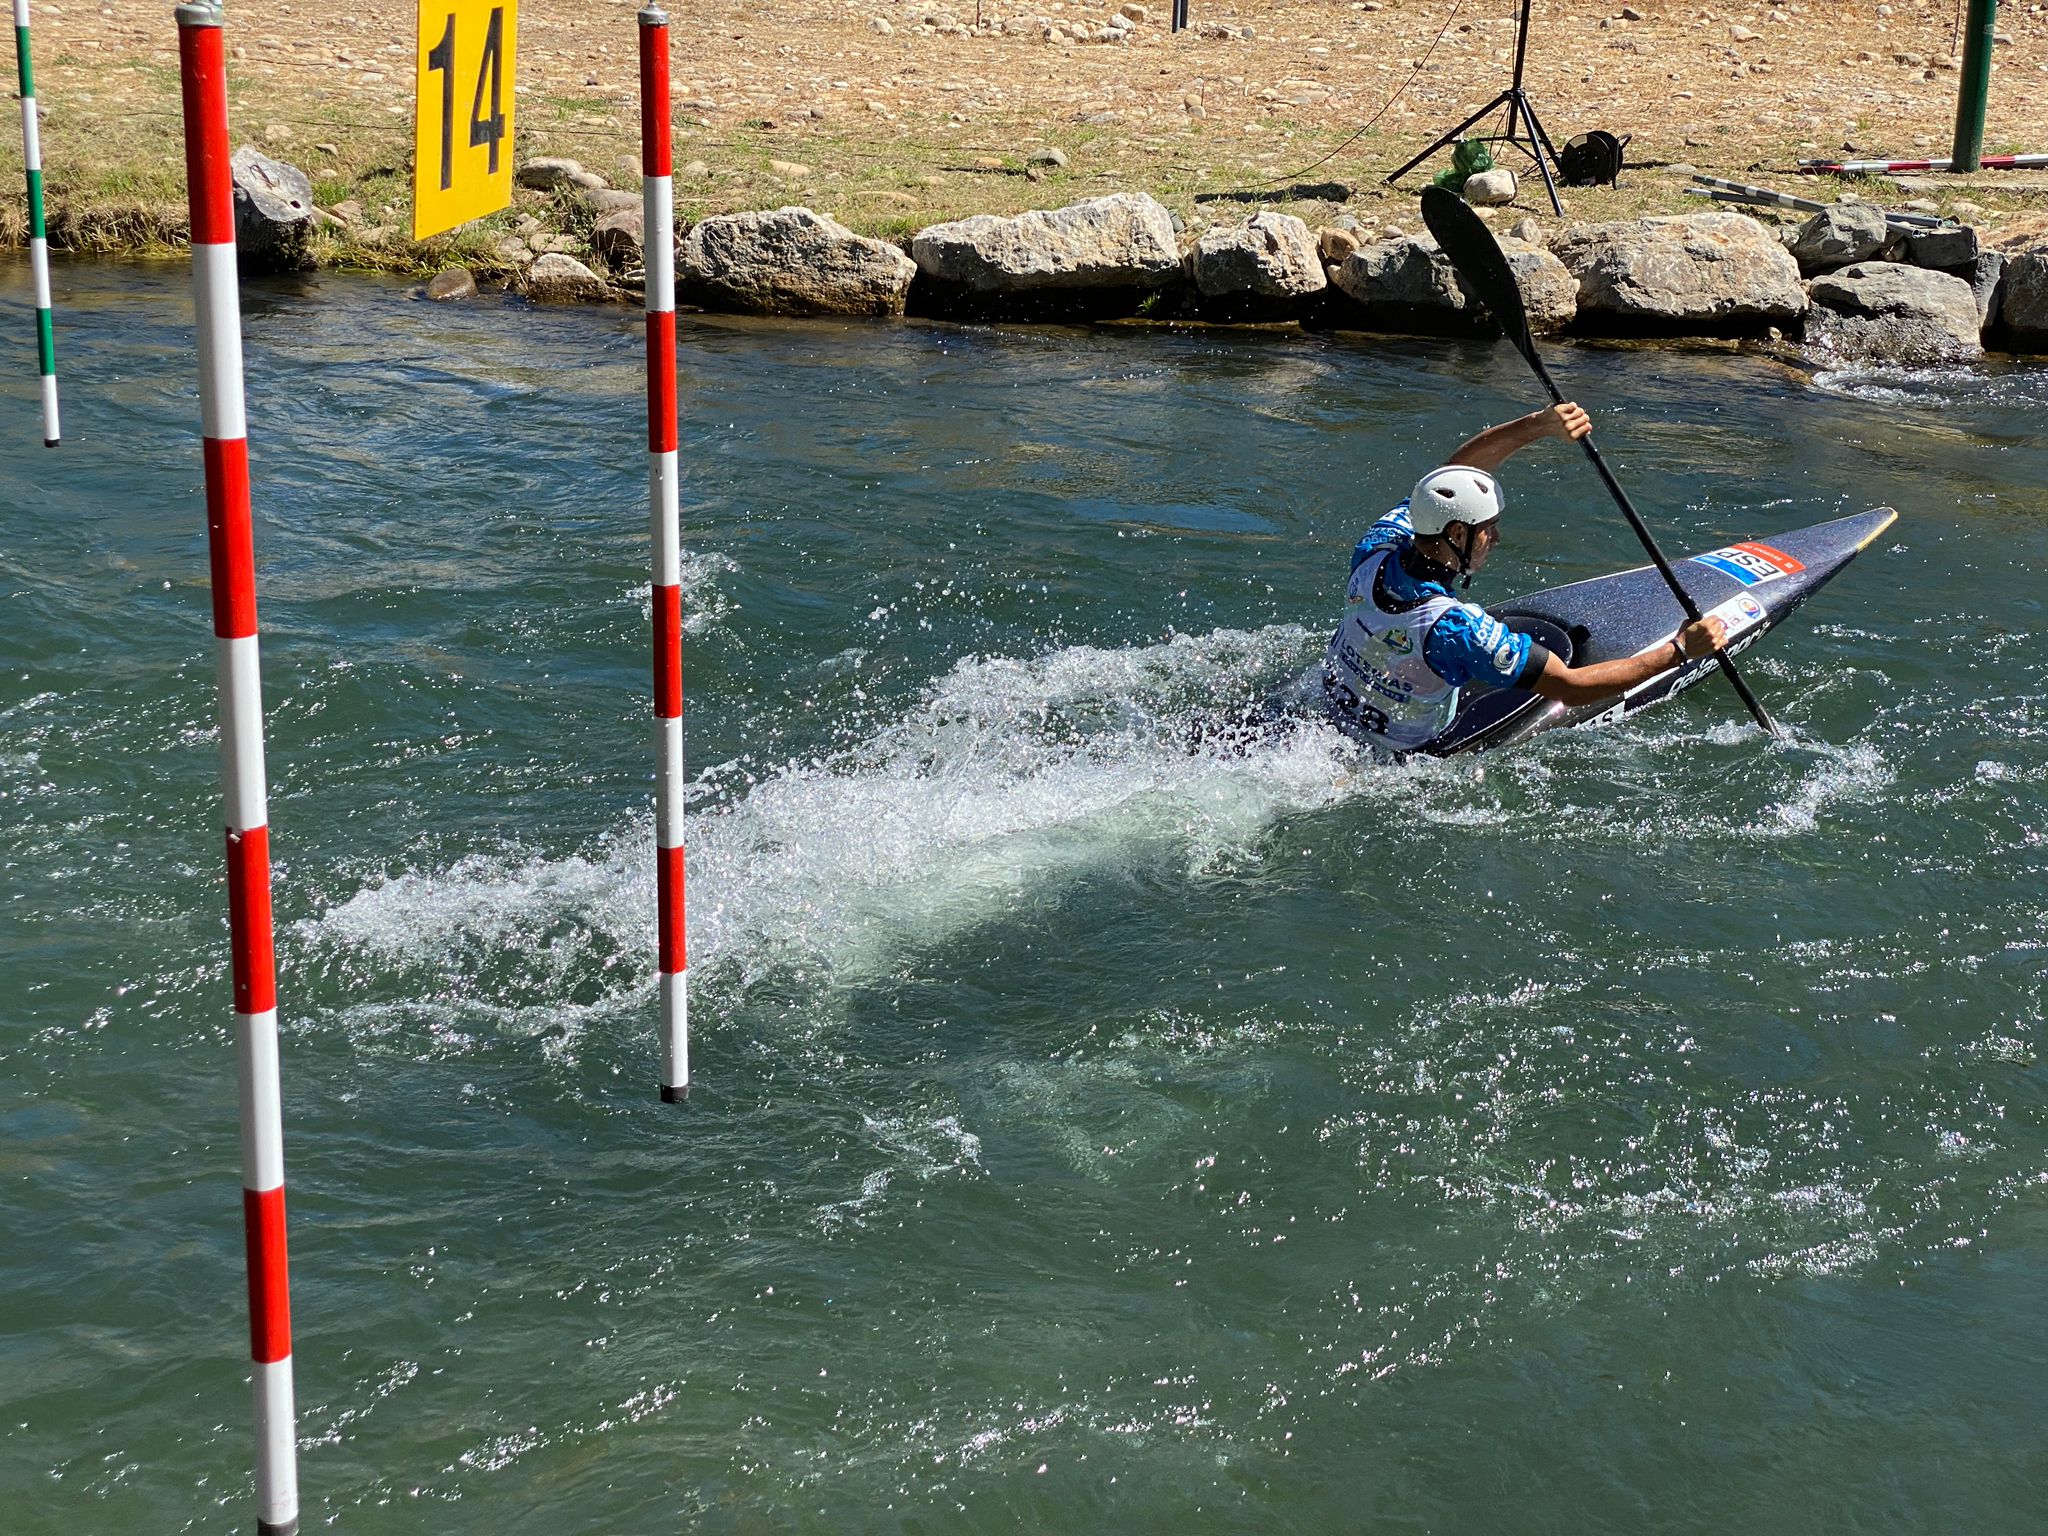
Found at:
(1492, 717)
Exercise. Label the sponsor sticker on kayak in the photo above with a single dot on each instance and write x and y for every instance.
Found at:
(1741, 613)
(1751, 563)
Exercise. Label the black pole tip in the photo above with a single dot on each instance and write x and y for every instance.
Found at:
(670, 1094)
(51, 442)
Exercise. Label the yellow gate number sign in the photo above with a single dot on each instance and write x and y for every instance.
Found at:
(462, 117)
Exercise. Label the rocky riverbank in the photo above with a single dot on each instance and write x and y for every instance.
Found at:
(1852, 283)
(935, 135)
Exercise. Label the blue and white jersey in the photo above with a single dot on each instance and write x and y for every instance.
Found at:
(1405, 647)
(1465, 644)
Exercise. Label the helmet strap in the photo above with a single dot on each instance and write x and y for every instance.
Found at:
(1424, 568)
(1465, 559)
(1430, 569)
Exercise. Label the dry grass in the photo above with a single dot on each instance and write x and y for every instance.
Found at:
(896, 131)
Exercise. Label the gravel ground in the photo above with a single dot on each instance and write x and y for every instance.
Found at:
(888, 113)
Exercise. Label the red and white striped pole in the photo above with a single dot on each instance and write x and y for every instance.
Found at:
(203, 65)
(658, 242)
(1880, 167)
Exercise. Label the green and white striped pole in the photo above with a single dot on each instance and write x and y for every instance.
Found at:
(38, 242)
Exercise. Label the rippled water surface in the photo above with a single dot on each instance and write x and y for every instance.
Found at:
(1089, 1133)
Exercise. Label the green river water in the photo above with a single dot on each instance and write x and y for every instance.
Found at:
(1649, 1133)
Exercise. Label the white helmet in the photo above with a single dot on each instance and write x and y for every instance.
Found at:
(1456, 493)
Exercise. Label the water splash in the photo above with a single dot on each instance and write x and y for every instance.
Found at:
(698, 575)
(1946, 385)
(1004, 782)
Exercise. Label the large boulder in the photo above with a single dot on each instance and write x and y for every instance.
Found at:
(1407, 283)
(792, 262)
(1699, 273)
(1270, 259)
(1985, 275)
(1950, 249)
(2023, 296)
(1550, 294)
(1406, 278)
(551, 173)
(1337, 245)
(1840, 237)
(273, 213)
(619, 238)
(1880, 311)
(1490, 189)
(452, 283)
(1123, 241)
(555, 278)
(606, 200)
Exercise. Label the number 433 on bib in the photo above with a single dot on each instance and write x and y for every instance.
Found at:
(462, 116)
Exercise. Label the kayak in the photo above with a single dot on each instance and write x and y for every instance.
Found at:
(1751, 587)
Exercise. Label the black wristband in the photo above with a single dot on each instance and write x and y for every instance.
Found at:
(1682, 657)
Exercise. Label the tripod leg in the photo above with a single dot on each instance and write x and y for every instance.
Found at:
(1542, 153)
(1529, 111)
(1485, 111)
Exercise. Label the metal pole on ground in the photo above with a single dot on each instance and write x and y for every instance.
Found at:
(38, 241)
(1739, 192)
(658, 242)
(1881, 167)
(225, 448)
(1974, 86)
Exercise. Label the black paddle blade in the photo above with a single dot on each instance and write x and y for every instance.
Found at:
(1471, 248)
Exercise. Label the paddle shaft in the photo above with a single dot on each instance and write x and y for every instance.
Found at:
(1628, 509)
(1685, 599)
(1664, 568)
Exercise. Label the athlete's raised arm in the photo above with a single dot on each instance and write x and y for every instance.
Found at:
(1496, 445)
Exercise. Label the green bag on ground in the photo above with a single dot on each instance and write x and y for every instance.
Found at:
(1468, 158)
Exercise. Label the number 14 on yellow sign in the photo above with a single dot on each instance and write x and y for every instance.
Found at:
(462, 113)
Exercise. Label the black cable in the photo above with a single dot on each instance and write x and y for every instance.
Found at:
(1385, 107)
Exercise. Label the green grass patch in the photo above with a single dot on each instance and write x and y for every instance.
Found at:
(140, 183)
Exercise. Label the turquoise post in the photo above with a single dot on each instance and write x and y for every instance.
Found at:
(1974, 89)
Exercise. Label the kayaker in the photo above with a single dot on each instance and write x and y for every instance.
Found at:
(1406, 645)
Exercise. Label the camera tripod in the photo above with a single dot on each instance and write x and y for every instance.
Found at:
(1536, 145)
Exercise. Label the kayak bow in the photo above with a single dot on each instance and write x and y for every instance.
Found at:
(1751, 587)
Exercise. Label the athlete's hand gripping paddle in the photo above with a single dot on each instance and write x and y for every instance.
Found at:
(1471, 248)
